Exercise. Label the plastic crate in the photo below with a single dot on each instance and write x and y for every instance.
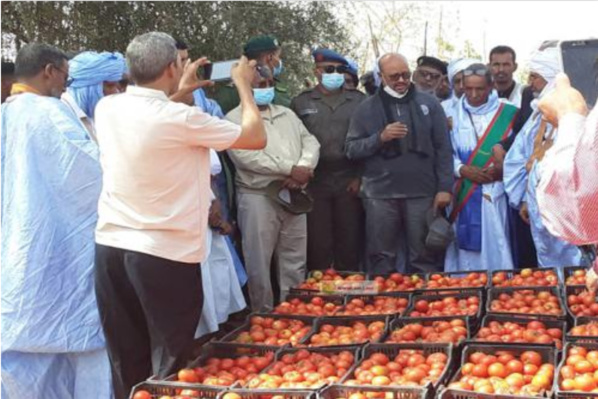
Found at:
(231, 336)
(582, 338)
(568, 271)
(221, 350)
(425, 321)
(474, 319)
(269, 393)
(336, 299)
(574, 290)
(502, 318)
(336, 391)
(345, 321)
(459, 274)
(307, 291)
(548, 353)
(371, 298)
(495, 292)
(422, 276)
(511, 273)
(354, 349)
(558, 379)
(164, 388)
(392, 350)
(459, 394)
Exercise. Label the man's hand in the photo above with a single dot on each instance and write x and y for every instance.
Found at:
(563, 100)
(189, 81)
(494, 171)
(291, 184)
(591, 280)
(302, 174)
(524, 212)
(243, 72)
(442, 200)
(215, 215)
(396, 130)
(498, 153)
(475, 174)
(353, 186)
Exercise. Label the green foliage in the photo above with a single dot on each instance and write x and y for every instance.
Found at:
(216, 29)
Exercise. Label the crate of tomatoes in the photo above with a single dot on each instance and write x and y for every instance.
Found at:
(585, 330)
(468, 303)
(306, 368)
(374, 392)
(347, 330)
(408, 364)
(521, 331)
(575, 275)
(448, 282)
(173, 390)
(540, 277)
(224, 365)
(324, 281)
(577, 374)
(398, 282)
(310, 305)
(441, 329)
(580, 302)
(539, 302)
(274, 330)
(504, 371)
(240, 393)
(375, 305)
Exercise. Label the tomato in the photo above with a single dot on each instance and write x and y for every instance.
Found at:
(480, 370)
(497, 370)
(146, 395)
(584, 383)
(531, 357)
(187, 375)
(379, 359)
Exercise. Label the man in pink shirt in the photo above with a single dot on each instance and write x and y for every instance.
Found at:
(568, 189)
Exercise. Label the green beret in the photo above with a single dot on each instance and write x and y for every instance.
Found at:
(260, 44)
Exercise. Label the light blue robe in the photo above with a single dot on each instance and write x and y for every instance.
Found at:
(521, 187)
(52, 341)
(495, 250)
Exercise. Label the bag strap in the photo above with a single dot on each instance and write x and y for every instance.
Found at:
(541, 145)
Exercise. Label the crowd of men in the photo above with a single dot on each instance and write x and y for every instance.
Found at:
(132, 178)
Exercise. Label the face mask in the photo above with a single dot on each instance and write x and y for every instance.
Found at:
(278, 69)
(393, 93)
(263, 96)
(333, 81)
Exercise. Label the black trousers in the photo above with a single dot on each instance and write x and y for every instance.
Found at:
(149, 309)
(335, 231)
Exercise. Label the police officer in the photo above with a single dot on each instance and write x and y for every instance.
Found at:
(265, 50)
(335, 225)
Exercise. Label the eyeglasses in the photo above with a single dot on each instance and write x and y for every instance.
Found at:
(334, 68)
(429, 75)
(406, 76)
(67, 80)
(477, 72)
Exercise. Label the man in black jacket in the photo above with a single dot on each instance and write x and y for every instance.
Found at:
(401, 135)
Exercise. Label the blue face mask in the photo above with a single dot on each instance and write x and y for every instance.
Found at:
(263, 96)
(333, 81)
(278, 69)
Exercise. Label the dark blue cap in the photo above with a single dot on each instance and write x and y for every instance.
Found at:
(327, 55)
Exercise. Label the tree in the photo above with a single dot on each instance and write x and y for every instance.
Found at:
(215, 29)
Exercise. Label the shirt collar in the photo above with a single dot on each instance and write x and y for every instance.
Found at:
(317, 94)
(70, 101)
(274, 112)
(146, 92)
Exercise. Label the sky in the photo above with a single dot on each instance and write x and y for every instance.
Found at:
(523, 25)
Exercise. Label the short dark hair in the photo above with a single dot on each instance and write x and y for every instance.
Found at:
(502, 50)
(475, 69)
(181, 45)
(34, 57)
(8, 68)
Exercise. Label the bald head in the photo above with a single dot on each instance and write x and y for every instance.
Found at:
(395, 72)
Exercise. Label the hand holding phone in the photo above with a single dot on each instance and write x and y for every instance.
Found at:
(579, 60)
(190, 81)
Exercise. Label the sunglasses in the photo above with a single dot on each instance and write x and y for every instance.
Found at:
(477, 72)
(406, 76)
(429, 75)
(334, 68)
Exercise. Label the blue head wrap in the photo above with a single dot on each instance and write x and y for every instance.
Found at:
(88, 71)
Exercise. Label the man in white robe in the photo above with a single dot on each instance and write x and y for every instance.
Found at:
(52, 341)
(479, 211)
(521, 169)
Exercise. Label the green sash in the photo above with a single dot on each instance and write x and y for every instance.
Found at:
(497, 130)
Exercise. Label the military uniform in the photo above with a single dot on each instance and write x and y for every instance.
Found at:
(335, 225)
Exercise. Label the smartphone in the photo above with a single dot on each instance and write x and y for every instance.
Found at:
(579, 59)
(219, 71)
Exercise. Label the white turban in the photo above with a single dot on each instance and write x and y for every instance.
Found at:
(459, 65)
(546, 63)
